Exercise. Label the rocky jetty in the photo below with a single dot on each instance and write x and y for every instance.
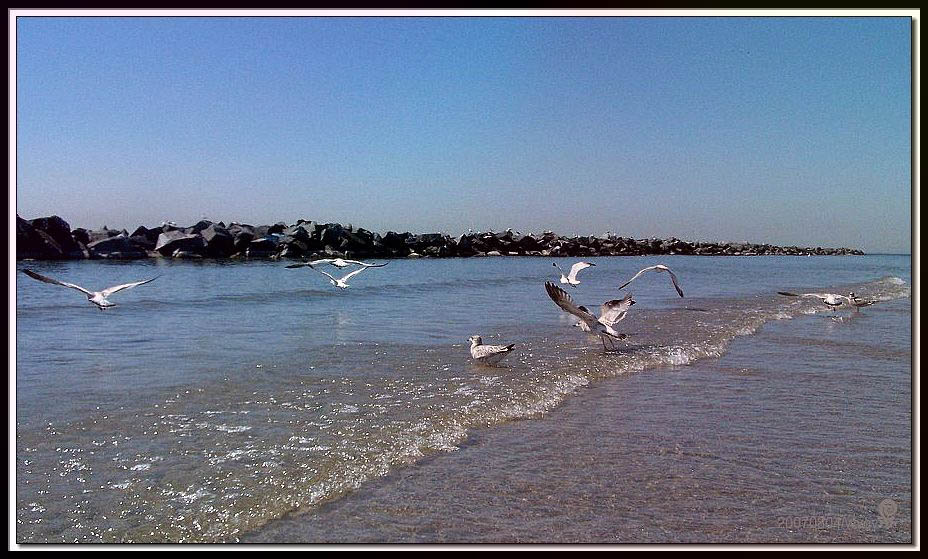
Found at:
(52, 238)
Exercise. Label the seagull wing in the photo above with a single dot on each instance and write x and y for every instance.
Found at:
(857, 302)
(615, 310)
(482, 351)
(326, 274)
(563, 300)
(53, 281)
(365, 264)
(303, 265)
(676, 285)
(637, 275)
(346, 277)
(110, 290)
(575, 269)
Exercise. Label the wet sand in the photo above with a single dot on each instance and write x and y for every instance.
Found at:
(744, 449)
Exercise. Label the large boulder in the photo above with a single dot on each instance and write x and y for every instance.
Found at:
(219, 241)
(151, 235)
(331, 234)
(59, 231)
(98, 234)
(301, 231)
(171, 241)
(119, 247)
(34, 243)
(198, 227)
(263, 246)
(243, 235)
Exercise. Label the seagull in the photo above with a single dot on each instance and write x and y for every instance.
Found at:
(657, 268)
(857, 302)
(337, 262)
(488, 354)
(831, 300)
(98, 298)
(612, 312)
(571, 278)
(342, 281)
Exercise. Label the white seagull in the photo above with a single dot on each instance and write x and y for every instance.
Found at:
(830, 300)
(857, 302)
(337, 262)
(488, 354)
(612, 312)
(657, 268)
(341, 282)
(98, 298)
(571, 278)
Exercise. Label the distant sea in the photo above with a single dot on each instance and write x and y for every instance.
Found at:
(247, 402)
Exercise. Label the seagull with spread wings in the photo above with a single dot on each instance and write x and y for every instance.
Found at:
(657, 268)
(337, 262)
(571, 278)
(611, 313)
(98, 298)
(341, 282)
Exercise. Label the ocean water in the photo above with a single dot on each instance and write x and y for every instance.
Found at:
(244, 401)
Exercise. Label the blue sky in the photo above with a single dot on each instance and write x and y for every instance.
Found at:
(783, 130)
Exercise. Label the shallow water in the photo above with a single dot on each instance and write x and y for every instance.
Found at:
(231, 400)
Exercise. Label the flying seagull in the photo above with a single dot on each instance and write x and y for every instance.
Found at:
(488, 354)
(98, 298)
(830, 300)
(657, 268)
(337, 262)
(341, 282)
(612, 312)
(571, 278)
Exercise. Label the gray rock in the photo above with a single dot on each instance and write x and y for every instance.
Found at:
(60, 232)
(219, 242)
(171, 241)
(118, 247)
(33, 243)
(263, 246)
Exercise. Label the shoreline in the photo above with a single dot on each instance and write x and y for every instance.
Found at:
(51, 238)
(598, 468)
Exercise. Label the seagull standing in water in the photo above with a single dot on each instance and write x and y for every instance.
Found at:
(657, 268)
(612, 312)
(337, 262)
(857, 302)
(488, 354)
(571, 278)
(830, 300)
(98, 298)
